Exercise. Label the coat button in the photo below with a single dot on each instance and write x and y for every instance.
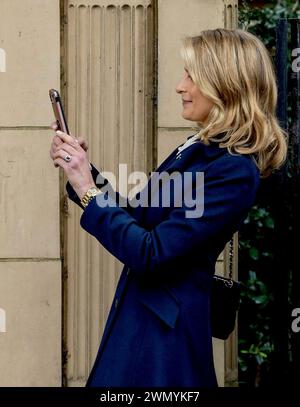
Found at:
(116, 302)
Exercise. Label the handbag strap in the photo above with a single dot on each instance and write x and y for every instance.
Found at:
(231, 258)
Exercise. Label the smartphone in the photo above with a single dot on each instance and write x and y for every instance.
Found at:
(58, 111)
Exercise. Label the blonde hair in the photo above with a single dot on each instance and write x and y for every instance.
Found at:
(233, 69)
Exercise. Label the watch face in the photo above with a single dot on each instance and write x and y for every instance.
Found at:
(93, 191)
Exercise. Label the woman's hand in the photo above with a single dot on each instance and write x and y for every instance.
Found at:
(57, 141)
(70, 154)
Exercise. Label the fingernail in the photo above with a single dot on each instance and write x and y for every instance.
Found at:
(58, 132)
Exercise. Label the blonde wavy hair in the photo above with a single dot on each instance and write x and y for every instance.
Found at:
(233, 69)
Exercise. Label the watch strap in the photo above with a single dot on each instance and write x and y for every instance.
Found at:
(89, 195)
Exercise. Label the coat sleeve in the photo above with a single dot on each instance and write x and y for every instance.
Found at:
(101, 182)
(229, 191)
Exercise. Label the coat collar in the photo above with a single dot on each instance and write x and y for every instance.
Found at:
(197, 150)
(211, 150)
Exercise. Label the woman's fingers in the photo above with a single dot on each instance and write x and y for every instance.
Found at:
(62, 153)
(73, 142)
(56, 142)
(66, 147)
(52, 151)
(83, 143)
(54, 126)
(71, 147)
(67, 144)
(60, 162)
(52, 154)
(66, 138)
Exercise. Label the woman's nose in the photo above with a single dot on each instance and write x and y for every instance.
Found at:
(179, 88)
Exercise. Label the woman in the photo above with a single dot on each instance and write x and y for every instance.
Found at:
(158, 330)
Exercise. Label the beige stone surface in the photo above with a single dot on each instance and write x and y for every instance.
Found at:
(218, 344)
(30, 349)
(29, 35)
(220, 268)
(174, 22)
(219, 360)
(29, 198)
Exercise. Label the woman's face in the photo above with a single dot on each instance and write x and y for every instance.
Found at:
(196, 106)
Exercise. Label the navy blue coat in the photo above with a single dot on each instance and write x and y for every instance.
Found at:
(158, 330)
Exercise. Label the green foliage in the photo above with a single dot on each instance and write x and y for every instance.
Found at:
(256, 252)
(257, 234)
(257, 296)
(255, 343)
(262, 21)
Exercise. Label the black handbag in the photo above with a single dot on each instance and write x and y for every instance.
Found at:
(225, 299)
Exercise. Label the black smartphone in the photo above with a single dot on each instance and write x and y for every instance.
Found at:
(58, 111)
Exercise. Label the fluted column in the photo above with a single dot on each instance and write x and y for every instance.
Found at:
(109, 93)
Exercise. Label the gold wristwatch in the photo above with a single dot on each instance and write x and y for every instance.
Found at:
(89, 195)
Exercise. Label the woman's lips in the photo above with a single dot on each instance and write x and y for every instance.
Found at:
(186, 102)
